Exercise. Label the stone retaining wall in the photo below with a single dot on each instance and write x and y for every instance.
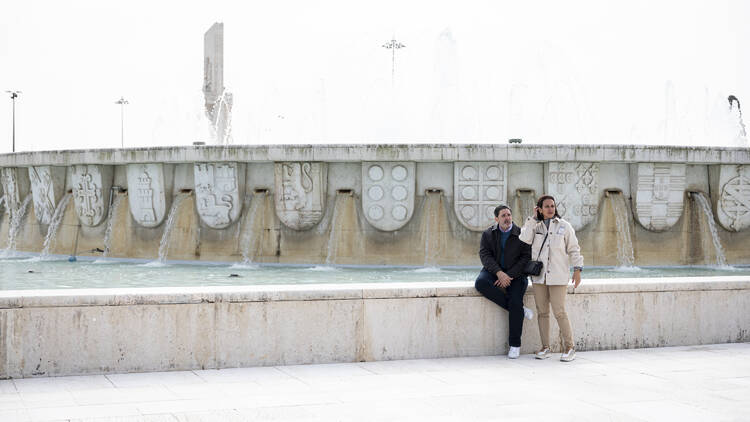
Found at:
(67, 332)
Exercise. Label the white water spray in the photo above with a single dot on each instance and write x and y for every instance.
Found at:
(221, 124)
(54, 224)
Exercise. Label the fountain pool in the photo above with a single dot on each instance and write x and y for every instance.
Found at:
(34, 273)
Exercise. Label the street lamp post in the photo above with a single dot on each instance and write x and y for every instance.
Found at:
(393, 45)
(13, 96)
(122, 101)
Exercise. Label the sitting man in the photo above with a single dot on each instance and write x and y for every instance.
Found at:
(502, 279)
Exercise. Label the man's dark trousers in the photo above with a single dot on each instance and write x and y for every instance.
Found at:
(512, 301)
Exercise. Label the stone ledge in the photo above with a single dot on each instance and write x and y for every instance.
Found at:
(382, 152)
(12, 299)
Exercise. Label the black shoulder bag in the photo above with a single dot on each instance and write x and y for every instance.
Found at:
(535, 267)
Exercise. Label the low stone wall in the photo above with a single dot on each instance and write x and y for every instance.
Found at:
(58, 332)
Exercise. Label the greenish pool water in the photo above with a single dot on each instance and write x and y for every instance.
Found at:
(33, 273)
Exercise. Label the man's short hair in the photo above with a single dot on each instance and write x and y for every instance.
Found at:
(500, 208)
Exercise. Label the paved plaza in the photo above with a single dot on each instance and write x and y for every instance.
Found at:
(675, 383)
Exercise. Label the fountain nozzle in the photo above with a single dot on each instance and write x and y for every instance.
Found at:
(612, 192)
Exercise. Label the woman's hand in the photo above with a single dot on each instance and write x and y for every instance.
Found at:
(576, 278)
(537, 211)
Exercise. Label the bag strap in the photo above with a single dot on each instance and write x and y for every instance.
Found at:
(540, 248)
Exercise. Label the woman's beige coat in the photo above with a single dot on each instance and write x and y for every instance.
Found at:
(560, 251)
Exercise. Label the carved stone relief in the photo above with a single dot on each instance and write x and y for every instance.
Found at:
(479, 187)
(388, 193)
(733, 207)
(91, 190)
(217, 193)
(300, 193)
(575, 186)
(146, 193)
(659, 194)
(47, 187)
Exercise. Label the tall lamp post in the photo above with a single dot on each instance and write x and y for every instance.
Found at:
(13, 96)
(122, 102)
(393, 45)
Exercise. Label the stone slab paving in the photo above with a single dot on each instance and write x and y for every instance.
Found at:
(675, 383)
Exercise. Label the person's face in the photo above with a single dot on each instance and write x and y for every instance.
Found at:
(504, 219)
(548, 208)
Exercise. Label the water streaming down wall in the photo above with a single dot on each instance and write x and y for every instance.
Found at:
(625, 256)
(710, 231)
(333, 228)
(169, 226)
(251, 232)
(523, 205)
(54, 224)
(345, 243)
(116, 201)
(432, 229)
(17, 218)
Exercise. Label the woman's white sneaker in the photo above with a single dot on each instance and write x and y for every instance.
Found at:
(542, 354)
(568, 356)
(528, 313)
(514, 352)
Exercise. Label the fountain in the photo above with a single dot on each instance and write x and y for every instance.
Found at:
(385, 197)
(391, 200)
(389, 206)
(54, 224)
(379, 205)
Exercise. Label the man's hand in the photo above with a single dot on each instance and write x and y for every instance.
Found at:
(576, 278)
(503, 280)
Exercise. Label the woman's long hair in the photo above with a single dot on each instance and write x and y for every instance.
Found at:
(540, 202)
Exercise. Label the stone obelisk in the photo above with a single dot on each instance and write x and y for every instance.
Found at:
(218, 101)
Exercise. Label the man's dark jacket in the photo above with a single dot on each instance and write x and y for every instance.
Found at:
(517, 253)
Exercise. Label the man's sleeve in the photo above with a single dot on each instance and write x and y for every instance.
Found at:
(486, 254)
(524, 256)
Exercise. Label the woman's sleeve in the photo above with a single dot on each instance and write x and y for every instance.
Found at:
(527, 231)
(572, 248)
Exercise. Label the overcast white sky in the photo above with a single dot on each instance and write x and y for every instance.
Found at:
(644, 72)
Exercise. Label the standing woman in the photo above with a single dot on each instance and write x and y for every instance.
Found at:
(553, 242)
